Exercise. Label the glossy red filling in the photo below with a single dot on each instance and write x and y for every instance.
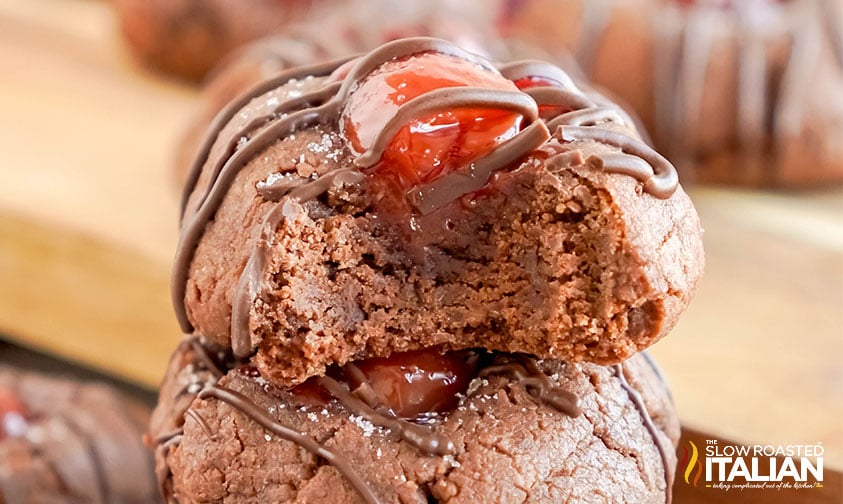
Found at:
(412, 385)
(433, 144)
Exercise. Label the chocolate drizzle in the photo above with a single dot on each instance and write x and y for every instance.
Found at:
(202, 370)
(363, 403)
(237, 135)
(585, 120)
(525, 372)
(447, 188)
(228, 113)
(657, 174)
(655, 433)
(199, 377)
(250, 409)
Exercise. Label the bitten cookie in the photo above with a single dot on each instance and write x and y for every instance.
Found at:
(735, 92)
(66, 441)
(519, 430)
(419, 196)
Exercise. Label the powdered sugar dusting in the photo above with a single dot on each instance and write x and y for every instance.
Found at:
(366, 426)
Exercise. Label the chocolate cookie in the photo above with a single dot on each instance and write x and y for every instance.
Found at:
(65, 441)
(521, 430)
(186, 38)
(508, 209)
(745, 93)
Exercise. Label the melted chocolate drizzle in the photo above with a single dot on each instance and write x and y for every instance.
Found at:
(204, 369)
(250, 409)
(656, 173)
(583, 123)
(655, 433)
(526, 372)
(366, 405)
(444, 99)
(223, 157)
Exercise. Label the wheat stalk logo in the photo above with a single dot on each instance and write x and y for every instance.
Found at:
(690, 461)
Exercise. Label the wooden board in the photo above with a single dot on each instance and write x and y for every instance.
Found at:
(88, 211)
(88, 228)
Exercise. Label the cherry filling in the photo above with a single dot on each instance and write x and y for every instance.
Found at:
(433, 143)
(414, 384)
(411, 385)
(13, 415)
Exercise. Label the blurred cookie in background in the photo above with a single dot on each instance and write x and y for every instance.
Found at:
(64, 440)
(186, 38)
(746, 93)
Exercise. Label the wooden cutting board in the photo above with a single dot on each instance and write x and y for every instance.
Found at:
(88, 212)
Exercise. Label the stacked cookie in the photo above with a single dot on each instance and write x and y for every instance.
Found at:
(737, 92)
(62, 440)
(416, 276)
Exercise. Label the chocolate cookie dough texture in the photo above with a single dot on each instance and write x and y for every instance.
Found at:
(66, 441)
(570, 240)
(186, 38)
(739, 92)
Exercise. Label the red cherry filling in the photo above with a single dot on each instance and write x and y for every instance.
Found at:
(13, 415)
(435, 143)
(311, 392)
(412, 385)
